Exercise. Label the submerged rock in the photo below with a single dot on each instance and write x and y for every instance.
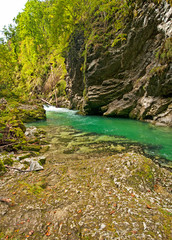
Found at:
(97, 195)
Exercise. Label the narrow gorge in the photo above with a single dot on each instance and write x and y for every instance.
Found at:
(131, 79)
(85, 121)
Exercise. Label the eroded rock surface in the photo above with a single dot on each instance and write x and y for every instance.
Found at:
(132, 79)
(90, 188)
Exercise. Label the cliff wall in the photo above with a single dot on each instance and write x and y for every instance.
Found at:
(131, 79)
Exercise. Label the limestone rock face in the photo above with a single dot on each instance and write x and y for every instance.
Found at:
(74, 61)
(132, 79)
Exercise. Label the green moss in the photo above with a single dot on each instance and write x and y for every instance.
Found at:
(164, 55)
(158, 70)
(2, 235)
(85, 149)
(12, 131)
(146, 171)
(26, 155)
(44, 148)
(84, 71)
(35, 148)
(42, 161)
(8, 161)
(34, 188)
(85, 93)
(2, 168)
(30, 115)
(143, 173)
(118, 148)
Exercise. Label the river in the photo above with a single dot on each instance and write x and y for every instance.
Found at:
(156, 141)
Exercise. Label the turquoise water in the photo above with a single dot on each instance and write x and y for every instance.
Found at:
(158, 140)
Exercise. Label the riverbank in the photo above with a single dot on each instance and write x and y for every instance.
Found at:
(13, 115)
(89, 189)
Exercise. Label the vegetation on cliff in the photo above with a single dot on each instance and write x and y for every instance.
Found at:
(32, 56)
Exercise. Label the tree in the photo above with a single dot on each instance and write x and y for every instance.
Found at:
(7, 69)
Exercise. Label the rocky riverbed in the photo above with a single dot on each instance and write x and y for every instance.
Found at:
(91, 187)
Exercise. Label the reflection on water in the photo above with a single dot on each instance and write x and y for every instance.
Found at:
(159, 139)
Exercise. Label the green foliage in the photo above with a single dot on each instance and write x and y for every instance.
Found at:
(32, 62)
(7, 69)
(31, 59)
(61, 88)
(55, 79)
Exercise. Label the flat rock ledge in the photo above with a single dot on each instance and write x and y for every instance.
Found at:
(87, 194)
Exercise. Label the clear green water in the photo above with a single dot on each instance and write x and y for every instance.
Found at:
(158, 140)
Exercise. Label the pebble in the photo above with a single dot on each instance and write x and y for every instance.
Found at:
(102, 226)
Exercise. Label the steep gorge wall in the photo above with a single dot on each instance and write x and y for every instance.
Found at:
(132, 79)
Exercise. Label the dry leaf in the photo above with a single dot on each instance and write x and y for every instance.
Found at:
(148, 206)
(7, 200)
(48, 234)
(31, 232)
(112, 212)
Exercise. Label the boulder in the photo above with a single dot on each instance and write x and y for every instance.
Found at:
(35, 166)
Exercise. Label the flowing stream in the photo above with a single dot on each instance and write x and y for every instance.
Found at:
(156, 141)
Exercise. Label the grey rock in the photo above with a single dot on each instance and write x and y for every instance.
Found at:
(35, 166)
(3, 101)
(31, 131)
(102, 226)
(127, 80)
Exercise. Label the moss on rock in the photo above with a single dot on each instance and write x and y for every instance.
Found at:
(2, 168)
